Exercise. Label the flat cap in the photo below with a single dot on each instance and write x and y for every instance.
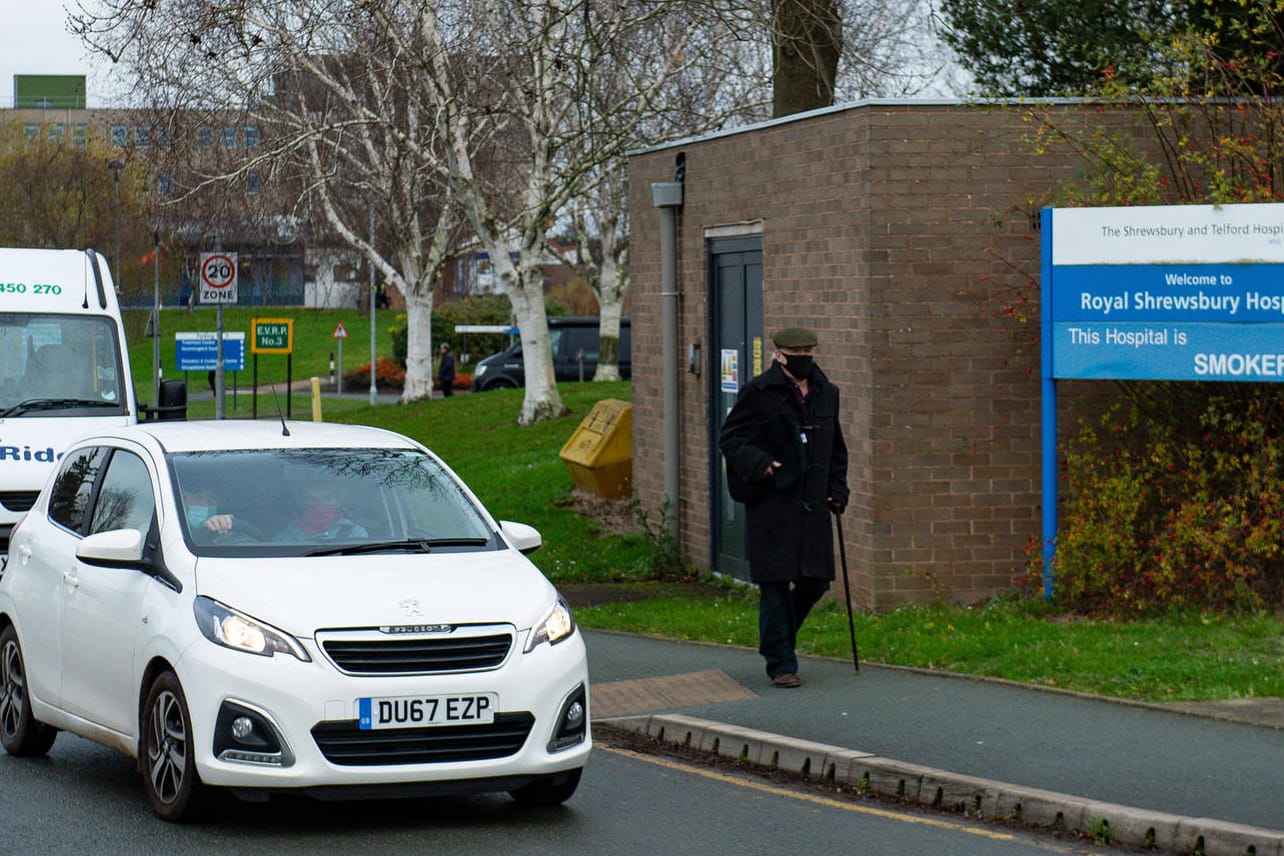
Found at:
(794, 337)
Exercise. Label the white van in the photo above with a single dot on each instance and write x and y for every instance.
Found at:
(64, 369)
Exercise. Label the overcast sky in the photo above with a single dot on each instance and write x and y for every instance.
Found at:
(34, 40)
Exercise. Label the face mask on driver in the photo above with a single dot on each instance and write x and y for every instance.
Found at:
(798, 365)
(198, 514)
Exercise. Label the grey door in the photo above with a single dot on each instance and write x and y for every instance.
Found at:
(737, 352)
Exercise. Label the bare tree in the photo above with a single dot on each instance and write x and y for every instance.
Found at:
(722, 82)
(550, 55)
(345, 134)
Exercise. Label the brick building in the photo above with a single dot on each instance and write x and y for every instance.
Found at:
(900, 231)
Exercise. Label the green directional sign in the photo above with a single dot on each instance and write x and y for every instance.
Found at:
(273, 336)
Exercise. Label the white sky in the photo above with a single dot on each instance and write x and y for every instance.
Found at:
(34, 40)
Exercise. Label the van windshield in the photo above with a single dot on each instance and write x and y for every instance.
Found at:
(59, 365)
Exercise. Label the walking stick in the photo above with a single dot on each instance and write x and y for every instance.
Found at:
(847, 589)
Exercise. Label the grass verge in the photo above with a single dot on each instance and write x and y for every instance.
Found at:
(1175, 658)
(517, 473)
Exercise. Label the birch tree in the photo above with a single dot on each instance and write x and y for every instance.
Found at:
(534, 92)
(722, 82)
(346, 133)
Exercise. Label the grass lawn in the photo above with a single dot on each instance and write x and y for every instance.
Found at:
(518, 474)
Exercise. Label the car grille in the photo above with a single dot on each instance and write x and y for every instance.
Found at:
(345, 744)
(418, 655)
(18, 500)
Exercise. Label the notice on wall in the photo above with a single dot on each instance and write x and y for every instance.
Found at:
(730, 370)
(1177, 292)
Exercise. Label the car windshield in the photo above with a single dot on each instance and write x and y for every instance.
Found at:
(59, 365)
(303, 502)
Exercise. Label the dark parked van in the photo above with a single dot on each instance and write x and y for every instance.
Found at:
(574, 344)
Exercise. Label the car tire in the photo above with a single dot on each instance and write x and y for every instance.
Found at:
(553, 789)
(20, 732)
(167, 757)
(499, 383)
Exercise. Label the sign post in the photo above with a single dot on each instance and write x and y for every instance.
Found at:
(273, 336)
(219, 286)
(339, 334)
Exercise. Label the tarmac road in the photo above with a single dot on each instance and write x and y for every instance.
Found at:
(1080, 749)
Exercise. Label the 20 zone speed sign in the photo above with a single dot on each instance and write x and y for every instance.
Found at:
(218, 278)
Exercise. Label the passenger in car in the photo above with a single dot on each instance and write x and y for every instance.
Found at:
(319, 515)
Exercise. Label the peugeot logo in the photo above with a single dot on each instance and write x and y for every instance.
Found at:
(411, 607)
(416, 628)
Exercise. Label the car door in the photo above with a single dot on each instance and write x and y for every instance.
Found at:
(44, 553)
(102, 607)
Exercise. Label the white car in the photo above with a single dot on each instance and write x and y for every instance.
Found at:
(304, 607)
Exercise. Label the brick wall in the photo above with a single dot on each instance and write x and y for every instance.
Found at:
(898, 232)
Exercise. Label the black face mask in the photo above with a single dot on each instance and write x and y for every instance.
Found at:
(798, 365)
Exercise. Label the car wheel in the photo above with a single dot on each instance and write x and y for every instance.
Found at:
(20, 731)
(553, 789)
(168, 758)
(499, 383)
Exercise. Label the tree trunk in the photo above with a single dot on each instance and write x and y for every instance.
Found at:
(806, 42)
(542, 401)
(610, 300)
(419, 375)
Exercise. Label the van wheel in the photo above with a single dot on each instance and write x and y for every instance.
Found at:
(499, 383)
(167, 756)
(22, 734)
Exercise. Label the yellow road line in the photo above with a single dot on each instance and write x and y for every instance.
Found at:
(812, 798)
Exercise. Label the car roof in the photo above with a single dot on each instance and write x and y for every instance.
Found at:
(238, 434)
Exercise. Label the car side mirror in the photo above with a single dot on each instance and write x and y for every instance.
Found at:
(114, 549)
(525, 539)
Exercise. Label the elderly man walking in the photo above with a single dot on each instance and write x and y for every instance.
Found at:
(787, 462)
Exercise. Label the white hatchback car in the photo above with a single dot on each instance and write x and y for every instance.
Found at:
(327, 611)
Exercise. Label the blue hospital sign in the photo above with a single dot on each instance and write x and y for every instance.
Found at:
(1167, 292)
(1179, 292)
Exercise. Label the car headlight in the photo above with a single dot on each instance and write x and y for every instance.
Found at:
(231, 629)
(480, 370)
(557, 624)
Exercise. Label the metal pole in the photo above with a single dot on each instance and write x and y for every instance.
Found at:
(374, 389)
(156, 326)
(667, 196)
(220, 411)
(115, 165)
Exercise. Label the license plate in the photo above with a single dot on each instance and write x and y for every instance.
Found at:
(426, 711)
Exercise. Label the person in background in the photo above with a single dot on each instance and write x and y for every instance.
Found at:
(446, 370)
(787, 462)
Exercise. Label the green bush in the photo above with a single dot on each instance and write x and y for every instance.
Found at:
(1163, 514)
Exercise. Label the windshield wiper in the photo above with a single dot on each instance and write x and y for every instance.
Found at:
(408, 545)
(55, 404)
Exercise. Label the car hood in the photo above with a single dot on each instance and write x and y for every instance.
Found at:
(302, 595)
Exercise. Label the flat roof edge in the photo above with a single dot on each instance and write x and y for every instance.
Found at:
(854, 105)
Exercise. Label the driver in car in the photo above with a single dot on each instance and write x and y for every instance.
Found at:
(204, 521)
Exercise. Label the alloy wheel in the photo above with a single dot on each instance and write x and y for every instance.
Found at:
(167, 749)
(13, 690)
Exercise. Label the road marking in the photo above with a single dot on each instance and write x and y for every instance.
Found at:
(812, 798)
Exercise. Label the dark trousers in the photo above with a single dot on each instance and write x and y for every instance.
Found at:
(782, 608)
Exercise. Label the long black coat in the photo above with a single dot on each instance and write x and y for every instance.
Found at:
(787, 515)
